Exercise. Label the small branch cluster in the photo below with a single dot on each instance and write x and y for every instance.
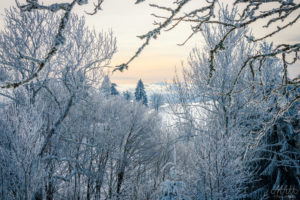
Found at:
(251, 11)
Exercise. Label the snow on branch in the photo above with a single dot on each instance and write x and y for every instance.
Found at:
(153, 34)
(58, 40)
(250, 12)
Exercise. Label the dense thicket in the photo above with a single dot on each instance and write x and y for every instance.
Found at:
(240, 147)
(61, 137)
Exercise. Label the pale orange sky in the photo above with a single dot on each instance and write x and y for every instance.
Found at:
(158, 61)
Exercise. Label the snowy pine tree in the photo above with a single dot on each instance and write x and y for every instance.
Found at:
(106, 86)
(277, 159)
(140, 93)
(127, 95)
(113, 89)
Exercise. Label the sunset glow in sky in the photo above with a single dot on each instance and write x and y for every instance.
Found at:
(157, 63)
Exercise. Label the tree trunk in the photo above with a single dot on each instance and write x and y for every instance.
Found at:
(50, 189)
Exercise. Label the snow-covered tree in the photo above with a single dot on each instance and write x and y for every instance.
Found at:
(127, 95)
(157, 100)
(140, 93)
(276, 158)
(61, 138)
(21, 173)
(57, 39)
(113, 89)
(47, 100)
(173, 188)
(219, 113)
(106, 86)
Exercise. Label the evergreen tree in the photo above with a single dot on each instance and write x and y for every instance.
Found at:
(106, 86)
(127, 95)
(277, 160)
(140, 93)
(113, 89)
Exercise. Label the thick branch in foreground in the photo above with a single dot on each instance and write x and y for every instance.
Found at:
(52, 131)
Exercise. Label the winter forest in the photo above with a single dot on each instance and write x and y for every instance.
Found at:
(227, 127)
